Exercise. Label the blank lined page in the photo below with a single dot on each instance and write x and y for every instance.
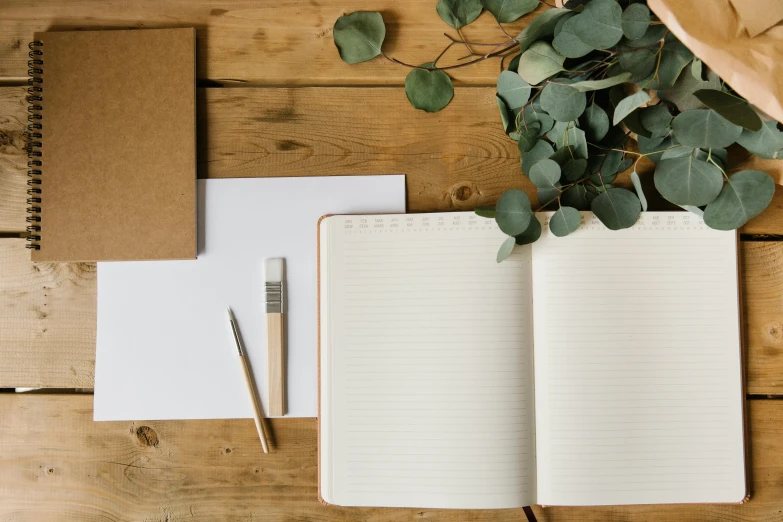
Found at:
(426, 369)
(638, 364)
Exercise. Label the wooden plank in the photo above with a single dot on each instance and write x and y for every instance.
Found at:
(47, 313)
(47, 321)
(455, 159)
(267, 42)
(13, 162)
(56, 464)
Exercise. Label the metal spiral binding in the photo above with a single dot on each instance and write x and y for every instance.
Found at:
(33, 135)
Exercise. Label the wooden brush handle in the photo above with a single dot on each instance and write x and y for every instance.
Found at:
(275, 364)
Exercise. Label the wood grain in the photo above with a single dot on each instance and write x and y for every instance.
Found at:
(58, 465)
(265, 42)
(47, 313)
(13, 161)
(275, 365)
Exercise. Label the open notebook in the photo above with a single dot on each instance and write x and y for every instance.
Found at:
(601, 368)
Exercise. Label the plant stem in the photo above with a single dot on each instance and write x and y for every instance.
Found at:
(486, 56)
(442, 53)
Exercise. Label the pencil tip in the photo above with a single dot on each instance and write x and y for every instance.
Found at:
(230, 314)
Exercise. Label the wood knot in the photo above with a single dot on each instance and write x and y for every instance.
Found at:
(147, 436)
(226, 451)
(50, 471)
(463, 193)
(774, 330)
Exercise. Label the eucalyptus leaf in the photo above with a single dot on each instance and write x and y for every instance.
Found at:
(562, 102)
(547, 195)
(744, 197)
(541, 150)
(637, 186)
(528, 136)
(635, 20)
(359, 36)
(688, 181)
(560, 22)
(681, 94)
(600, 24)
(577, 197)
(693, 210)
(531, 115)
(696, 69)
(596, 122)
(484, 211)
(513, 89)
(674, 57)
(563, 155)
(506, 11)
(564, 221)
(595, 85)
(734, 109)
(428, 90)
(607, 164)
(505, 114)
(531, 233)
(628, 105)
(624, 165)
(540, 62)
(704, 129)
(540, 27)
(766, 143)
(567, 43)
(458, 13)
(718, 155)
(654, 33)
(505, 249)
(545, 173)
(567, 134)
(618, 208)
(574, 169)
(638, 62)
(513, 65)
(656, 119)
(634, 123)
(513, 212)
(655, 147)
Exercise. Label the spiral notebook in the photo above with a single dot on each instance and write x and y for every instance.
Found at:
(600, 368)
(112, 145)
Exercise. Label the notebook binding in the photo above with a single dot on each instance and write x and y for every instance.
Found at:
(33, 147)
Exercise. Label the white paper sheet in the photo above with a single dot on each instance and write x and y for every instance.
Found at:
(164, 347)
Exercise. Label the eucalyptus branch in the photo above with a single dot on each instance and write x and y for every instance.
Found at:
(457, 66)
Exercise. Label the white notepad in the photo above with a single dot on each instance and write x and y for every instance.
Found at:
(599, 368)
(164, 347)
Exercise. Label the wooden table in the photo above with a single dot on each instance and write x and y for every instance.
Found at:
(275, 100)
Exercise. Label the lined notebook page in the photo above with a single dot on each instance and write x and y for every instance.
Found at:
(426, 369)
(638, 375)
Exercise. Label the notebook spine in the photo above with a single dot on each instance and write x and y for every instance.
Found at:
(34, 135)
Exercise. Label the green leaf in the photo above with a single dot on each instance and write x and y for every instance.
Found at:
(600, 24)
(566, 134)
(696, 69)
(628, 105)
(596, 122)
(547, 195)
(506, 11)
(624, 165)
(513, 89)
(541, 150)
(574, 169)
(694, 210)
(637, 185)
(577, 197)
(545, 173)
(653, 34)
(617, 208)
(681, 94)
(656, 145)
(513, 212)
(595, 85)
(718, 155)
(487, 212)
(513, 65)
(458, 13)
(567, 43)
(639, 62)
(765, 143)
(540, 62)
(607, 164)
(688, 181)
(565, 221)
(528, 136)
(531, 115)
(744, 197)
(656, 119)
(505, 249)
(428, 90)
(540, 27)
(634, 124)
(505, 114)
(734, 109)
(636, 20)
(531, 233)
(674, 57)
(562, 102)
(359, 36)
(704, 129)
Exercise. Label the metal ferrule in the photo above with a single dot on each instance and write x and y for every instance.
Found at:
(274, 298)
